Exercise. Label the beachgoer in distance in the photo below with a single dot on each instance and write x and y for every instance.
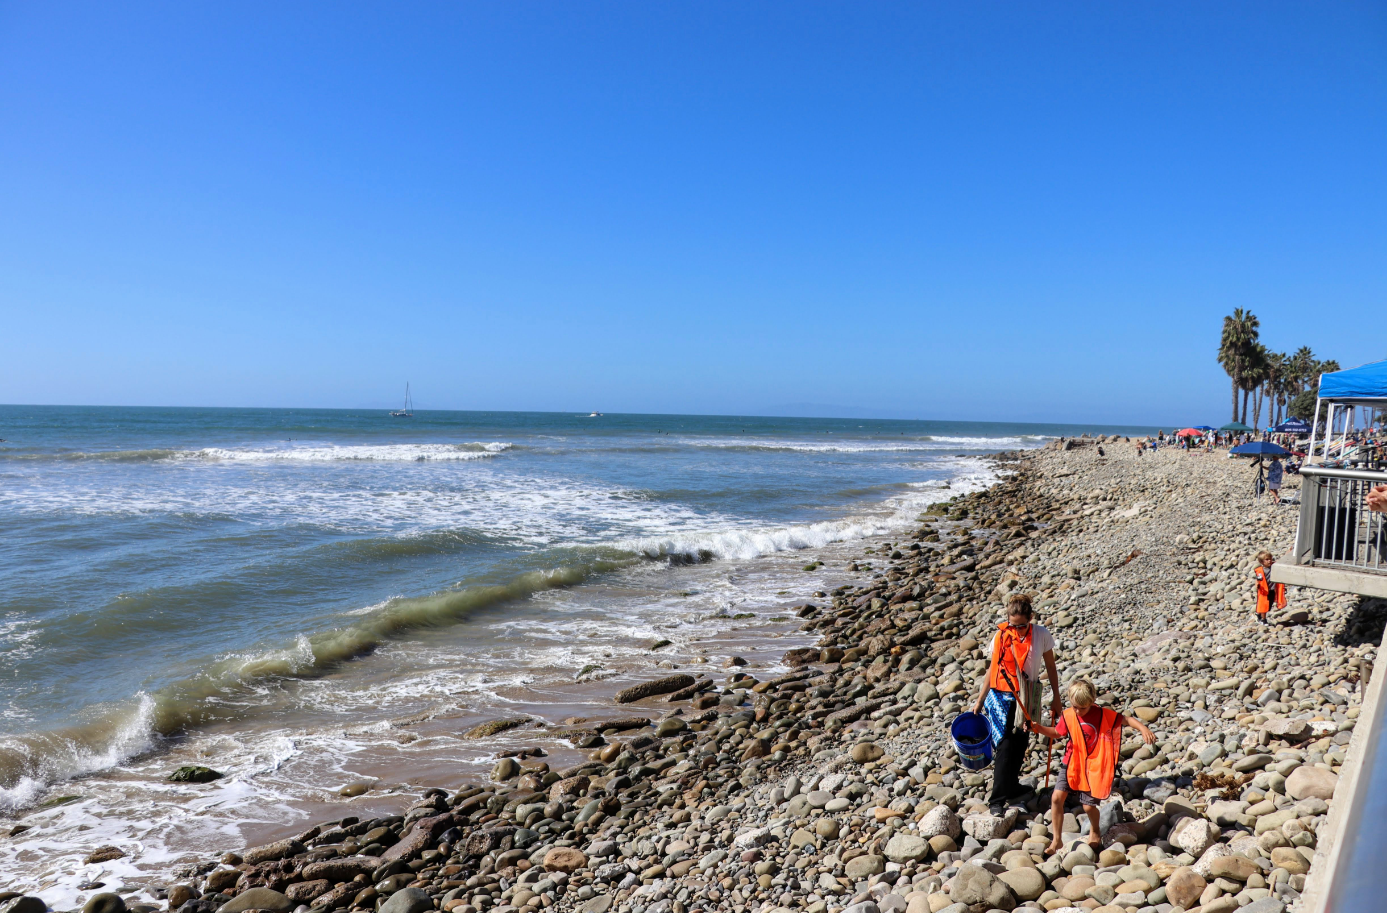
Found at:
(1019, 648)
(1090, 762)
(1274, 474)
(1268, 593)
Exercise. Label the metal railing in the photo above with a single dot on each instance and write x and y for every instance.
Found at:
(1336, 528)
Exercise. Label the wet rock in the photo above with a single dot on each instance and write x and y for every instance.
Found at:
(105, 854)
(653, 688)
(505, 769)
(258, 899)
(307, 891)
(493, 727)
(352, 790)
(272, 851)
(23, 904)
(195, 774)
(408, 900)
(104, 903)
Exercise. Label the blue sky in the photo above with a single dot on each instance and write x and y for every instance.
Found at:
(990, 211)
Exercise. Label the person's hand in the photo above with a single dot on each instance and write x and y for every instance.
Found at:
(1148, 737)
(1377, 499)
(1056, 710)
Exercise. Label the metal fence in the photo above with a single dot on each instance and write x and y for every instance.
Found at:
(1336, 528)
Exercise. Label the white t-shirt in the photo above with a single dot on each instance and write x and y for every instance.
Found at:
(1041, 642)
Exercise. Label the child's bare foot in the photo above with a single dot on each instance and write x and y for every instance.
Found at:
(1054, 847)
(1095, 844)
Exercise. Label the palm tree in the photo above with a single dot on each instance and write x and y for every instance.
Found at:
(1240, 332)
(1302, 367)
(1277, 365)
(1254, 375)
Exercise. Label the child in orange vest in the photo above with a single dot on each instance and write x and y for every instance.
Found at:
(1090, 762)
(1268, 593)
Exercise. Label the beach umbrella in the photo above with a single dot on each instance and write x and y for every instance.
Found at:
(1204, 427)
(1189, 432)
(1235, 426)
(1292, 426)
(1260, 448)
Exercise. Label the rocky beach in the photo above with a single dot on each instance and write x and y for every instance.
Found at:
(825, 781)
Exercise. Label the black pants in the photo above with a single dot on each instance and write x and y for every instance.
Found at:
(1007, 758)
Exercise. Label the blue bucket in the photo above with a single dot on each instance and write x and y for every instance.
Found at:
(972, 740)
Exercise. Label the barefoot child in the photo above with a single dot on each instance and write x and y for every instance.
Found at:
(1268, 593)
(1089, 762)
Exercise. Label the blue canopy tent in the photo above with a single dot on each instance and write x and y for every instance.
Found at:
(1344, 392)
(1260, 448)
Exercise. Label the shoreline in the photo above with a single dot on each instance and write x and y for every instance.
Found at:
(684, 812)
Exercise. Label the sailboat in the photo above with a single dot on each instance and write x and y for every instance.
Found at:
(408, 410)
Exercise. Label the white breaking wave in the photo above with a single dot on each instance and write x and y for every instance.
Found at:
(744, 543)
(385, 453)
(871, 446)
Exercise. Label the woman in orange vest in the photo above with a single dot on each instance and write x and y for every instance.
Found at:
(1018, 649)
(1267, 592)
(1090, 762)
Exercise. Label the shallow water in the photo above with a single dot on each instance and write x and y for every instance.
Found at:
(302, 599)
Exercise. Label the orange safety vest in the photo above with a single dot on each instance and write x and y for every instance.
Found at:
(1268, 591)
(1009, 654)
(1093, 774)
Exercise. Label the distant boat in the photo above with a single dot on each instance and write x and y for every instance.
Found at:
(595, 415)
(408, 410)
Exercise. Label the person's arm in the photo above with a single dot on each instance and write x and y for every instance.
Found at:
(1146, 734)
(1047, 731)
(1056, 707)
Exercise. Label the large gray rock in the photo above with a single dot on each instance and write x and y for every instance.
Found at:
(258, 899)
(1025, 883)
(907, 848)
(408, 900)
(1194, 835)
(976, 885)
(650, 689)
(104, 903)
(23, 904)
(280, 849)
(1311, 782)
(864, 867)
(940, 820)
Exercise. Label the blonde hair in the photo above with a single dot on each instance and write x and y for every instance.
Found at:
(1081, 693)
(1264, 555)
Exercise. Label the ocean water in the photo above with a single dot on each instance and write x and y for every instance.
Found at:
(307, 598)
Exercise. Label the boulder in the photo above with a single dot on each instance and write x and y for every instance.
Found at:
(651, 689)
(407, 900)
(938, 821)
(104, 903)
(492, 727)
(1290, 859)
(1025, 882)
(1307, 782)
(1194, 835)
(194, 773)
(976, 885)
(904, 848)
(864, 867)
(280, 849)
(258, 899)
(864, 752)
(565, 859)
(1185, 887)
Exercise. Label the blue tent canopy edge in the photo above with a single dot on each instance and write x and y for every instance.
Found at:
(1366, 382)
